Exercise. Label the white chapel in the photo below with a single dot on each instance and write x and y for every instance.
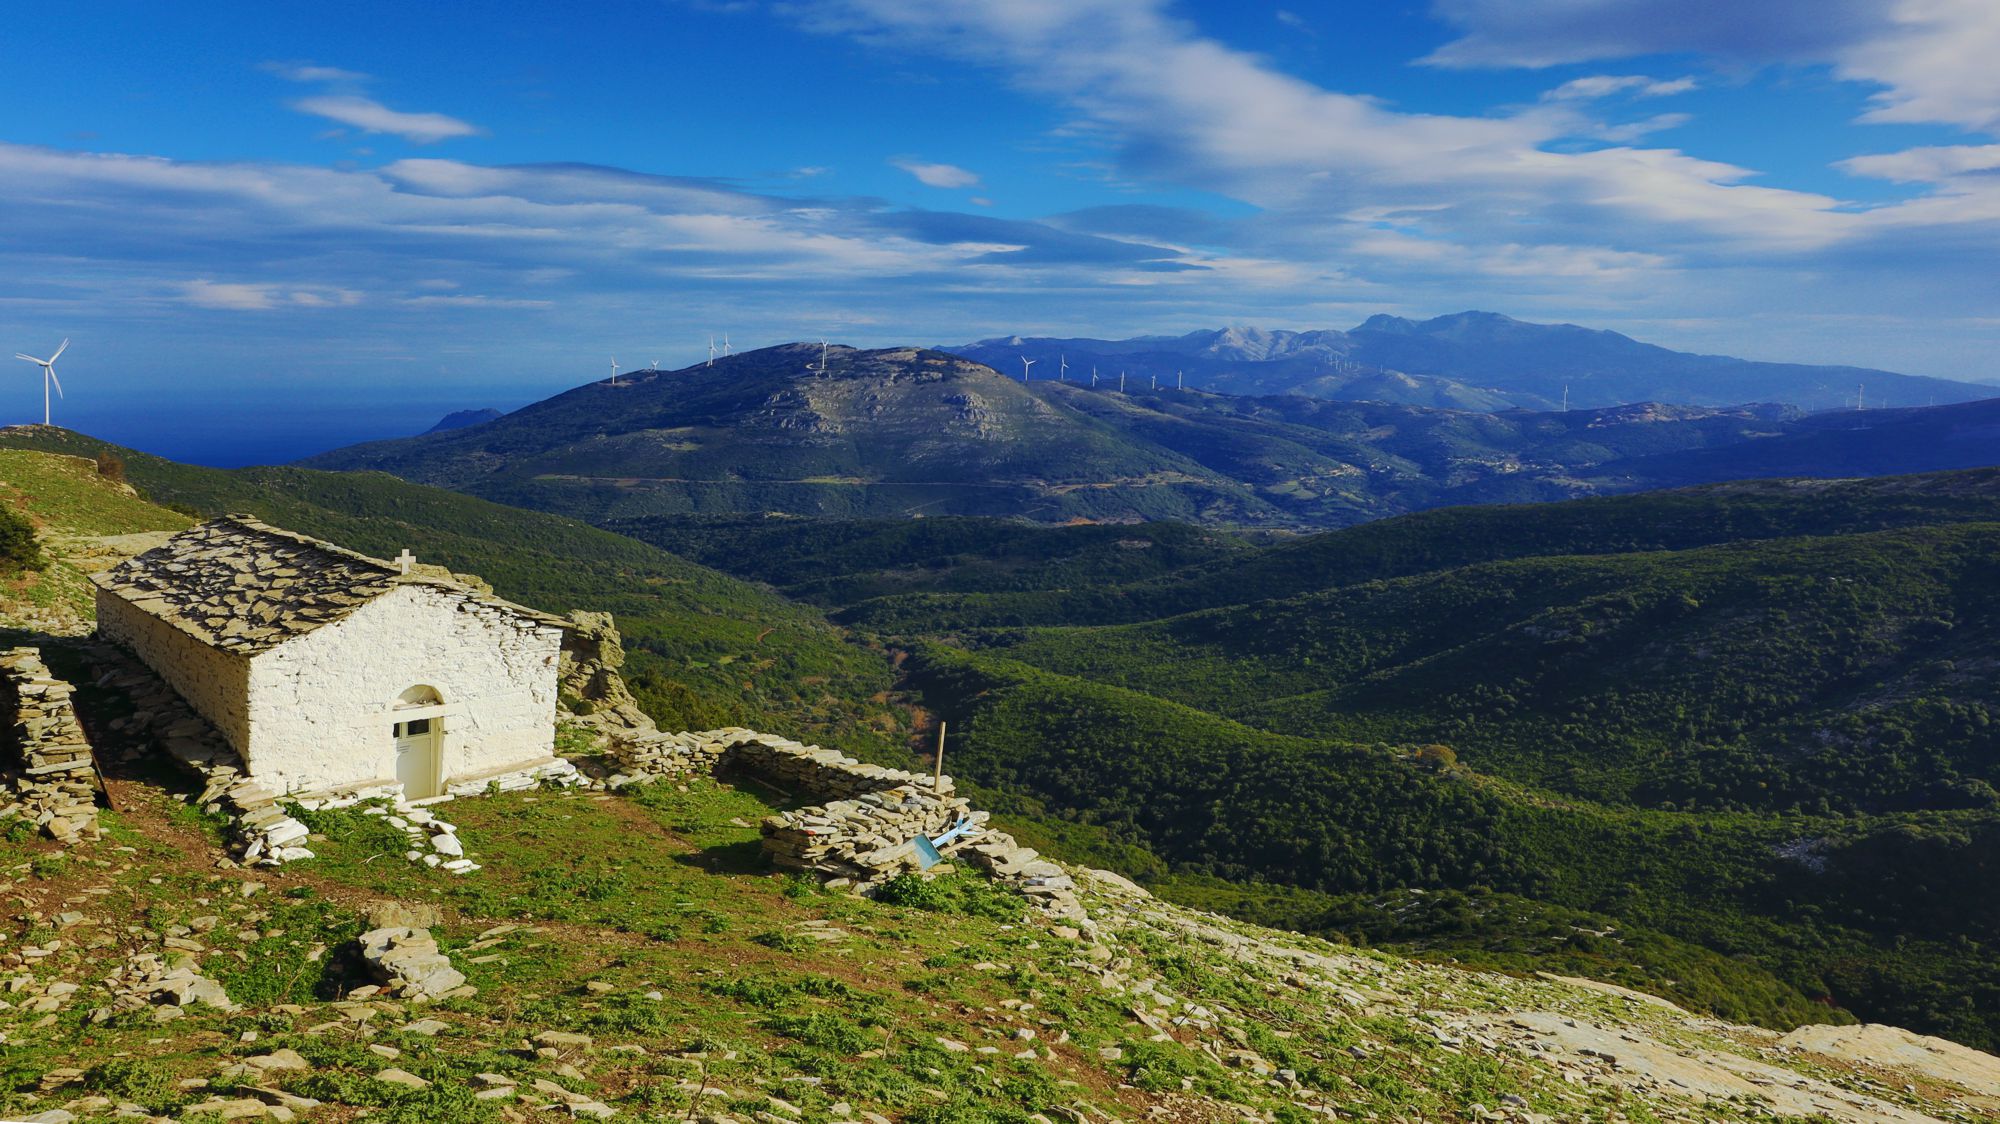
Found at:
(331, 672)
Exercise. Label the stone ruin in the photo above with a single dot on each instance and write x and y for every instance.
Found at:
(865, 832)
(53, 780)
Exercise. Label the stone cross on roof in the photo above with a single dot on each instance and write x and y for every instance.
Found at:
(406, 560)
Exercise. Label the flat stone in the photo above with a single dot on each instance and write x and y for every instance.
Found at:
(393, 1076)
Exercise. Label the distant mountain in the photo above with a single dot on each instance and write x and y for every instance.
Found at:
(1469, 360)
(909, 432)
(463, 419)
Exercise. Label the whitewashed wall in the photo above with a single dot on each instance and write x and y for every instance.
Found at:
(320, 705)
(214, 682)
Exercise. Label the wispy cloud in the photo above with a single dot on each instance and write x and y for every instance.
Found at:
(262, 297)
(371, 116)
(937, 175)
(308, 72)
(1606, 85)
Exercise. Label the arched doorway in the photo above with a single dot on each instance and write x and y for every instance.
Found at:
(419, 733)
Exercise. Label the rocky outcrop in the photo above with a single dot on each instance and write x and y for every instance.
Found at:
(52, 776)
(592, 653)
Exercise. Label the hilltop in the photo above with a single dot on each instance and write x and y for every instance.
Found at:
(1470, 360)
(628, 956)
(906, 432)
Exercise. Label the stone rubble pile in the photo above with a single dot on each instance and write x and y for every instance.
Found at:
(408, 963)
(167, 984)
(53, 780)
(433, 842)
(867, 839)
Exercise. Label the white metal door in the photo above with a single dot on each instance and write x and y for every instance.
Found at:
(416, 757)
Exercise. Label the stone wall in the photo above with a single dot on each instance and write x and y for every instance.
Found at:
(54, 781)
(215, 683)
(865, 830)
(867, 839)
(321, 704)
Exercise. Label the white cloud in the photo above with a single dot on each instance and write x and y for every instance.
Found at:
(261, 297)
(1927, 165)
(1183, 108)
(937, 175)
(372, 116)
(1933, 59)
(307, 72)
(1605, 85)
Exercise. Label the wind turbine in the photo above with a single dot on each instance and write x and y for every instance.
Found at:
(1062, 371)
(614, 370)
(1121, 382)
(726, 353)
(1025, 364)
(821, 369)
(48, 367)
(1156, 382)
(1180, 380)
(1093, 374)
(711, 351)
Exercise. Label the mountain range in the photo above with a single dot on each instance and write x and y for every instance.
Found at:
(1467, 361)
(905, 432)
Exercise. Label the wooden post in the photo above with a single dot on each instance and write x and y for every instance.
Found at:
(937, 778)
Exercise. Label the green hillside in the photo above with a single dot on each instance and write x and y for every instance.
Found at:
(843, 561)
(1438, 540)
(1844, 909)
(906, 432)
(1754, 718)
(707, 649)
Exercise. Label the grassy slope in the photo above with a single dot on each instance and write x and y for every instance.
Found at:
(707, 649)
(643, 923)
(1870, 928)
(69, 504)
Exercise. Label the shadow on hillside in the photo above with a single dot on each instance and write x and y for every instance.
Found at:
(746, 857)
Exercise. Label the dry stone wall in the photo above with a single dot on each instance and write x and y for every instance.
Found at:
(55, 780)
(869, 838)
(865, 832)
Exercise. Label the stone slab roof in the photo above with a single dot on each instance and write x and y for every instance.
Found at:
(244, 586)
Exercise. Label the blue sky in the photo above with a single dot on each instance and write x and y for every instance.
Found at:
(274, 228)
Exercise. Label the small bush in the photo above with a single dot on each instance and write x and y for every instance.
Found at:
(783, 941)
(111, 466)
(953, 893)
(823, 1030)
(143, 1081)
